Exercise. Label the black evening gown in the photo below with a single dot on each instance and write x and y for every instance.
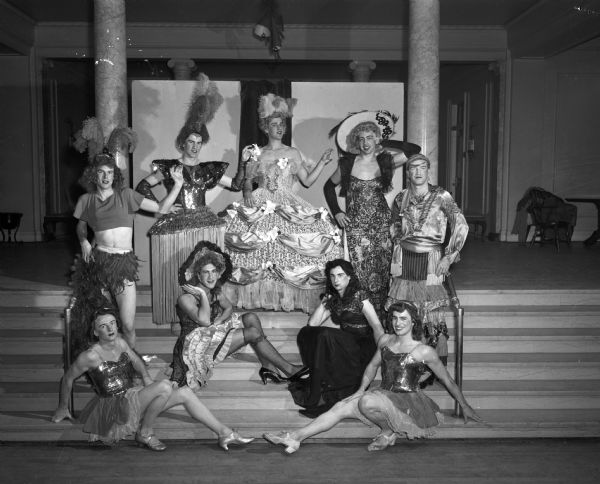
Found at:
(337, 358)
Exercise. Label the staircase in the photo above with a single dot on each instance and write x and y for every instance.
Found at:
(531, 369)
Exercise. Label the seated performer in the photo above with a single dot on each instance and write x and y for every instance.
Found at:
(172, 234)
(119, 408)
(336, 357)
(110, 265)
(279, 242)
(210, 331)
(398, 406)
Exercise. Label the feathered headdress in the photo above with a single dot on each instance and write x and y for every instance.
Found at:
(205, 101)
(270, 104)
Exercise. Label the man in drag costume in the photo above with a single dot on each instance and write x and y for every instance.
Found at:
(120, 407)
(397, 406)
(211, 331)
(108, 267)
(365, 171)
(175, 234)
(421, 215)
(278, 242)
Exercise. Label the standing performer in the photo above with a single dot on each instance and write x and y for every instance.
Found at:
(119, 408)
(279, 242)
(174, 235)
(365, 172)
(398, 406)
(109, 266)
(420, 216)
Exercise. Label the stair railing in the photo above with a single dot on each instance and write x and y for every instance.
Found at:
(67, 348)
(458, 339)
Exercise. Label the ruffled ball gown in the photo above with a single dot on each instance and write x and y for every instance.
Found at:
(278, 247)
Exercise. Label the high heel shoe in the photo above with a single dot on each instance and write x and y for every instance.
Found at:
(265, 375)
(382, 441)
(283, 438)
(150, 441)
(235, 439)
(300, 374)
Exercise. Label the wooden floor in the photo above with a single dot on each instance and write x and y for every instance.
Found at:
(439, 462)
(484, 265)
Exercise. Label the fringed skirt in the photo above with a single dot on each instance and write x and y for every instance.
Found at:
(112, 419)
(418, 283)
(172, 239)
(410, 413)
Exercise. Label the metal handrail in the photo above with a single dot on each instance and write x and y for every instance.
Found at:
(458, 339)
(67, 349)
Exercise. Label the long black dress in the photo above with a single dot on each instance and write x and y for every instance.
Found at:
(337, 358)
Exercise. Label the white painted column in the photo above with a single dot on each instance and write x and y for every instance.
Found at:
(424, 79)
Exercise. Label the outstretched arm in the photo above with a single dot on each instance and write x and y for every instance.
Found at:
(83, 363)
(308, 179)
(430, 357)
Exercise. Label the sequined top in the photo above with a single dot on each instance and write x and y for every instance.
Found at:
(112, 378)
(348, 314)
(197, 180)
(419, 223)
(400, 372)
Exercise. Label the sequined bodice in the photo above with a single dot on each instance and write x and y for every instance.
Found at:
(365, 200)
(197, 180)
(276, 175)
(348, 314)
(112, 377)
(400, 372)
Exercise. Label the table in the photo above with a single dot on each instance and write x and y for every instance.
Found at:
(595, 199)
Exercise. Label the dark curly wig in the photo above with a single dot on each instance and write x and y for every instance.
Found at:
(400, 307)
(90, 174)
(353, 285)
(204, 253)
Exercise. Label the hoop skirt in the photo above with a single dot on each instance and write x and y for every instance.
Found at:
(278, 247)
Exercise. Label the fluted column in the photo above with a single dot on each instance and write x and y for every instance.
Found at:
(110, 67)
(361, 70)
(424, 78)
(182, 68)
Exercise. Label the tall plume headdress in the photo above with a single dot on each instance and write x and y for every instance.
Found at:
(204, 103)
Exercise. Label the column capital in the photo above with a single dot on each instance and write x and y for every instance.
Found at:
(182, 68)
(361, 70)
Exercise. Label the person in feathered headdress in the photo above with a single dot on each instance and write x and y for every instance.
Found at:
(191, 220)
(365, 170)
(279, 242)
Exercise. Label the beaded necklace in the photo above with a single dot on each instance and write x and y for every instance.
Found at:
(418, 199)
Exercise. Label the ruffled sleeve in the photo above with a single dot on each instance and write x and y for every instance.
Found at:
(163, 166)
(459, 229)
(212, 172)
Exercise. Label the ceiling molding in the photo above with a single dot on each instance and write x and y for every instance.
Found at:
(551, 27)
(301, 42)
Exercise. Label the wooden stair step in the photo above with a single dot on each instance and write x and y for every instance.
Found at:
(36, 426)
